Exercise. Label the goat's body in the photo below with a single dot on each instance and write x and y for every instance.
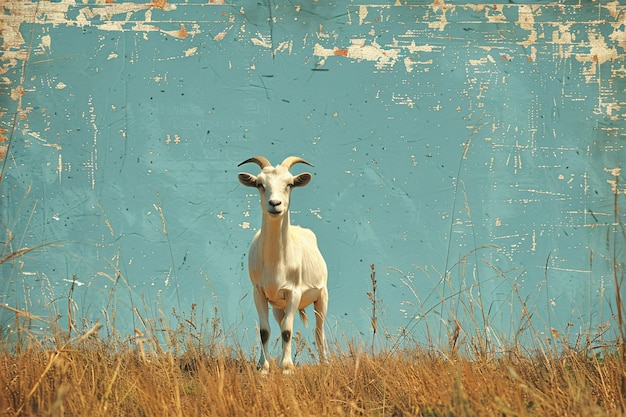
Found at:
(287, 271)
(286, 267)
(277, 268)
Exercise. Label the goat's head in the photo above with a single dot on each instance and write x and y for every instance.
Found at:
(275, 183)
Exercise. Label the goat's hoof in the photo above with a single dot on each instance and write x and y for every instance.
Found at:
(288, 369)
(263, 368)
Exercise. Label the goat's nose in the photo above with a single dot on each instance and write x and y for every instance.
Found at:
(275, 203)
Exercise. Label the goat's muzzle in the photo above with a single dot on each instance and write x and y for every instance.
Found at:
(275, 207)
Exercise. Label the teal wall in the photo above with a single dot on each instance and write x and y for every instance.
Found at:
(459, 147)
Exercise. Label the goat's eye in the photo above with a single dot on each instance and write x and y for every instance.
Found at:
(260, 187)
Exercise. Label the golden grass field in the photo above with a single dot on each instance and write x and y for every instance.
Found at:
(87, 376)
(93, 381)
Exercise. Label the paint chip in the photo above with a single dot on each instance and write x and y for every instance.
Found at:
(384, 58)
(17, 92)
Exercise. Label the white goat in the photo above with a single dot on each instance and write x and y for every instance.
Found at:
(284, 263)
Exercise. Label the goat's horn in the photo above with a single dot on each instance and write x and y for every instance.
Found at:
(291, 160)
(259, 160)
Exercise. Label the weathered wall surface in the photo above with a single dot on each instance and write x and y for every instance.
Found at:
(459, 147)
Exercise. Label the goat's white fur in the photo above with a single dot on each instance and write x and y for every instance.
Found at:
(285, 265)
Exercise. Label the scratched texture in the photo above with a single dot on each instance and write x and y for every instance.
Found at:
(470, 151)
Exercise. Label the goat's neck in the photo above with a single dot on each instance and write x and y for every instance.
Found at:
(275, 236)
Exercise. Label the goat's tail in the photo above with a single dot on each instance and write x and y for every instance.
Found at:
(304, 318)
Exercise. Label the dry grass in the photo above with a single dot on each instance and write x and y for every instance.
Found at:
(91, 377)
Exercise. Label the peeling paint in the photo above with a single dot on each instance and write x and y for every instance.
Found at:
(191, 51)
(462, 118)
(362, 14)
(180, 34)
(263, 41)
(599, 51)
(526, 21)
(359, 50)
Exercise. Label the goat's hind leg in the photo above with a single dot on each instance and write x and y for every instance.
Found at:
(321, 307)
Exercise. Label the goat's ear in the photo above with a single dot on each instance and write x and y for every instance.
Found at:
(302, 179)
(246, 179)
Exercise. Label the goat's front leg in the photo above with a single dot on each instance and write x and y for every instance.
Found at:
(260, 301)
(291, 308)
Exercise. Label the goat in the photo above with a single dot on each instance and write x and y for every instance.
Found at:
(285, 265)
